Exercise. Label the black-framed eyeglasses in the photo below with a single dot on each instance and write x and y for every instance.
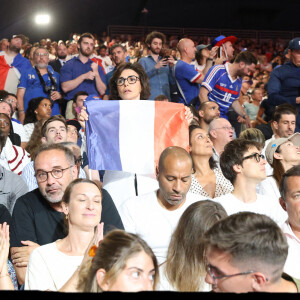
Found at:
(213, 273)
(42, 176)
(130, 79)
(255, 155)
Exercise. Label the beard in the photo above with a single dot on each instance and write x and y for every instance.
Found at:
(86, 53)
(14, 48)
(62, 56)
(54, 198)
(155, 50)
(41, 66)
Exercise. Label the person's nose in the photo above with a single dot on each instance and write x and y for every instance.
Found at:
(177, 186)
(147, 284)
(90, 204)
(50, 179)
(209, 279)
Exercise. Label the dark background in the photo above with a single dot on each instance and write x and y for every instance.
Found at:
(17, 16)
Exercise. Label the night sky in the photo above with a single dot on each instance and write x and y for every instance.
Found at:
(95, 15)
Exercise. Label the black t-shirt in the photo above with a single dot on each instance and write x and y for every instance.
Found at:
(4, 215)
(35, 220)
(269, 109)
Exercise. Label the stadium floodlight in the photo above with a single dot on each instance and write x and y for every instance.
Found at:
(42, 19)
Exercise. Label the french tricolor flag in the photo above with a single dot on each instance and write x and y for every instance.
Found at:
(129, 135)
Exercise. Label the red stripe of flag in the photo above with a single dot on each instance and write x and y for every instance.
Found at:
(170, 127)
(224, 89)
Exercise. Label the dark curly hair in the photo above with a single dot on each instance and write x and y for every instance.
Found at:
(144, 80)
(30, 116)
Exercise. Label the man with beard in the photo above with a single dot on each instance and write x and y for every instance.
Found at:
(38, 218)
(12, 64)
(154, 216)
(158, 68)
(39, 81)
(222, 83)
(208, 111)
(118, 55)
(61, 58)
(81, 73)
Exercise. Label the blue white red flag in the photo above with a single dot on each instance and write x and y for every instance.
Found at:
(129, 135)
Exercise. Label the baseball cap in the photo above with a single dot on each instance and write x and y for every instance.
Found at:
(20, 36)
(294, 44)
(220, 40)
(75, 123)
(273, 145)
(201, 46)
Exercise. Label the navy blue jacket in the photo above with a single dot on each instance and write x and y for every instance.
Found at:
(284, 87)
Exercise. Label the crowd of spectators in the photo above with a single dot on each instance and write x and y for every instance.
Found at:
(66, 227)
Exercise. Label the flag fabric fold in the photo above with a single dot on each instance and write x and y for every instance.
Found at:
(129, 135)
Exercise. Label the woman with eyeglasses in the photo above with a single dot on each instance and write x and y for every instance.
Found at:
(129, 82)
(282, 154)
(207, 179)
(51, 266)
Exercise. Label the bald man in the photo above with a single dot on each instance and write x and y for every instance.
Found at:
(187, 77)
(221, 132)
(155, 215)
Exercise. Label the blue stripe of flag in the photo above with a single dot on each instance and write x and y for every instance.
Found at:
(103, 132)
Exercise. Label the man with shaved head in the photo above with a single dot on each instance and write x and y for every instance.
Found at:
(187, 77)
(155, 215)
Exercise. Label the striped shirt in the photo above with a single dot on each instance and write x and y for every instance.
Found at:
(222, 88)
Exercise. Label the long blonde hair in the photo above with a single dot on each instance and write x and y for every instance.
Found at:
(112, 254)
(185, 269)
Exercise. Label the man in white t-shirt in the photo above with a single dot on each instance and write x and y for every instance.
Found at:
(155, 215)
(289, 200)
(244, 166)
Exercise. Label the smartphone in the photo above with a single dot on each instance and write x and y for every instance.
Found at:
(220, 51)
(78, 109)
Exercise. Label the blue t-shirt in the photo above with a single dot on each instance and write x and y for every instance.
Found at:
(222, 88)
(186, 76)
(31, 82)
(74, 68)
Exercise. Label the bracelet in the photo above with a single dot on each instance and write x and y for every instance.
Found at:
(19, 110)
(210, 58)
